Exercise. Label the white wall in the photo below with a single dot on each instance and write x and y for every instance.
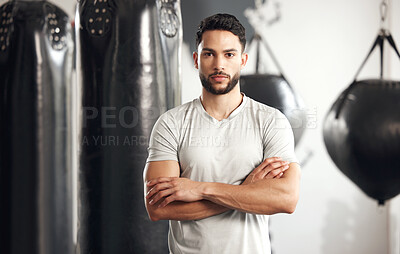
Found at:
(320, 45)
(394, 71)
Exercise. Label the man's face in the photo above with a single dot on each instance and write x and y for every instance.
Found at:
(219, 59)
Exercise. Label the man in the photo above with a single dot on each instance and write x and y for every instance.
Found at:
(213, 169)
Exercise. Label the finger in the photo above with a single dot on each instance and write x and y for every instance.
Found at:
(261, 174)
(279, 176)
(271, 167)
(258, 169)
(265, 163)
(167, 201)
(157, 188)
(160, 195)
(273, 173)
(271, 160)
(276, 165)
(268, 161)
(159, 180)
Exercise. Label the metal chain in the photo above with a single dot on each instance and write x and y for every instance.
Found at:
(258, 3)
(383, 11)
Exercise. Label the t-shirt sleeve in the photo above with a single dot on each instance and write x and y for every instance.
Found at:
(163, 143)
(278, 138)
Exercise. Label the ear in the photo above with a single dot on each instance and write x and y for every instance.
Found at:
(245, 57)
(195, 59)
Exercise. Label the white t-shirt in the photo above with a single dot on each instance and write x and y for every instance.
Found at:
(224, 151)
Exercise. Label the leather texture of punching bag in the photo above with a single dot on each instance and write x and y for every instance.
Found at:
(362, 136)
(36, 54)
(362, 130)
(128, 63)
(275, 91)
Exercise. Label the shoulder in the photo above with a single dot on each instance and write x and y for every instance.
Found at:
(176, 115)
(262, 111)
(253, 104)
(181, 110)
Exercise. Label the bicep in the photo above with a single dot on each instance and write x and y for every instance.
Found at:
(155, 169)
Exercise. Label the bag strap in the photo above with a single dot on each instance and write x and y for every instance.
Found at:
(278, 66)
(393, 44)
(379, 41)
(260, 41)
(344, 97)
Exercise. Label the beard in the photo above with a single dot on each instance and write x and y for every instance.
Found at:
(206, 82)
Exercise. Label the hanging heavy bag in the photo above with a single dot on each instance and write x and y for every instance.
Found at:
(275, 91)
(129, 71)
(36, 52)
(362, 131)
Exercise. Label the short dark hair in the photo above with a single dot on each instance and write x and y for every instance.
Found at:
(222, 21)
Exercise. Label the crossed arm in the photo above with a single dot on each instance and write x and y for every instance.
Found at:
(272, 187)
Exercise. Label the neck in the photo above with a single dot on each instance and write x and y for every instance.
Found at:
(222, 105)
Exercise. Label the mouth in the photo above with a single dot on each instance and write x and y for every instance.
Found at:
(219, 78)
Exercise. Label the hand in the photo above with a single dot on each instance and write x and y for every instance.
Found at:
(173, 189)
(270, 168)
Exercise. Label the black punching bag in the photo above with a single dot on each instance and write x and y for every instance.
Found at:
(362, 133)
(35, 171)
(128, 63)
(275, 91)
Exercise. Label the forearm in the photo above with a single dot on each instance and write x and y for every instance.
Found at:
(178, 198)
(267, 196)
(179, 210)
(248, 198)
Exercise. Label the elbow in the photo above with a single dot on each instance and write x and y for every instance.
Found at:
(290, 208)
(291, 195)
(153, 217)
(291, 203)
(287, 201)
(153, 213)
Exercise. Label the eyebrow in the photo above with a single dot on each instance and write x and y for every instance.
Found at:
(225, 51)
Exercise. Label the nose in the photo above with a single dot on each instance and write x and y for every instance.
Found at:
(219, 63)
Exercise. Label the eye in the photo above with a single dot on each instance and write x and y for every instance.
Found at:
(230, 55)
(207, 54)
